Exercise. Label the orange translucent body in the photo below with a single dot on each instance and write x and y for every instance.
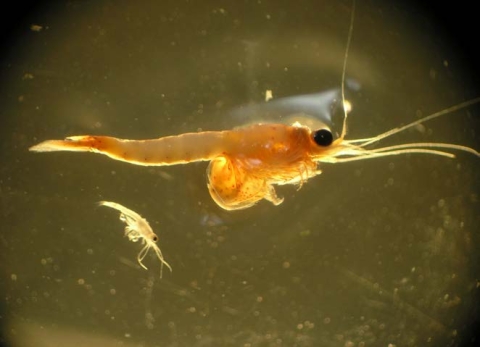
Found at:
(244, 163)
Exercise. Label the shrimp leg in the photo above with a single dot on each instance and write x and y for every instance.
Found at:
(233, 188)
(142, 254)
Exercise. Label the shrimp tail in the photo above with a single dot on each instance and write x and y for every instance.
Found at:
(72, 144)
(170, 150)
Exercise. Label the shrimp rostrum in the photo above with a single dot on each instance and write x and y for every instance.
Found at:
(138, 229)
(246, 163)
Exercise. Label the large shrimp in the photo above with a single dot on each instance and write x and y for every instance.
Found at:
(246, 163)
(137, 229)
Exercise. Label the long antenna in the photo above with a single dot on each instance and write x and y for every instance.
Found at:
(422, 120)
(344, 70)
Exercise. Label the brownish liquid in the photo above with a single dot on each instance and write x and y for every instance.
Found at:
(366, 254)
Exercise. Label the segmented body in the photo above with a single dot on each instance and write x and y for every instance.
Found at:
(245, 163)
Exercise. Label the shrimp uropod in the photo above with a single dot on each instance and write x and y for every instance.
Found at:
(138, 229)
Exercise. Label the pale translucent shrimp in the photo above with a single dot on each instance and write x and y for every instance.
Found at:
(137, 229)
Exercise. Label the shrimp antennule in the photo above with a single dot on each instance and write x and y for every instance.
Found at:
(343, 150)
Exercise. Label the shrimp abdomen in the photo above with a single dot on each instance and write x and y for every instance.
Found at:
(170, 150)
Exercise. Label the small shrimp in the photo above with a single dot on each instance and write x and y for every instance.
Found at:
(138, 229)
(246, 163)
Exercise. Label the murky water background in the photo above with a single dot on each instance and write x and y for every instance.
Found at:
(374, 253)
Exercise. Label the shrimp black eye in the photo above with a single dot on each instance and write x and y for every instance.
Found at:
(323, 137)
(154, 238)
